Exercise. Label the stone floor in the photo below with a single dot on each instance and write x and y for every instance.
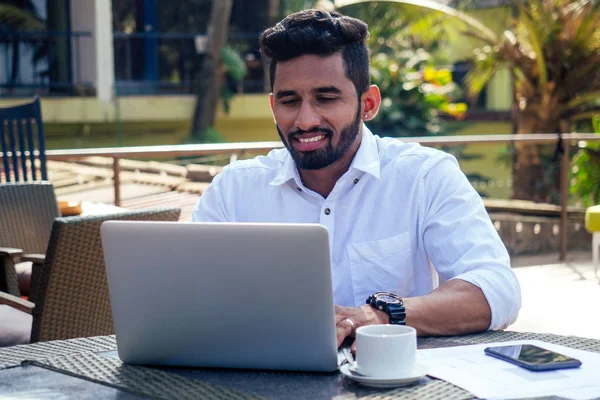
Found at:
(558, 297)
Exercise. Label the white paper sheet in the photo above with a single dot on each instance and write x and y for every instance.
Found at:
(470, 368)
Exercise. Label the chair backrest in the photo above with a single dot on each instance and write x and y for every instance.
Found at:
(71, 298)
(20, 146)
(27, 211)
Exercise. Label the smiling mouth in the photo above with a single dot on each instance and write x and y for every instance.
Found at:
(310, 143)
(311, 139)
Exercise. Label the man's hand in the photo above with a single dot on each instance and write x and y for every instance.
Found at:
(348, 319)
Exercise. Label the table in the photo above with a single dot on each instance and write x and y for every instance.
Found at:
(90, 368)
(91, 208)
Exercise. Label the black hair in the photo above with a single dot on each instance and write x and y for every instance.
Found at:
(320, 33)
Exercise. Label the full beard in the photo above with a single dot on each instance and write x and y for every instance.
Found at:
(323, 157)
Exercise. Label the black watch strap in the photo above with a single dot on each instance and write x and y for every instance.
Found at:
(395, 311)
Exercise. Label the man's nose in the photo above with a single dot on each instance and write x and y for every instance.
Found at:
(307, 117)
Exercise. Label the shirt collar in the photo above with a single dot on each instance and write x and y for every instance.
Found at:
(287, 172)
(366, 160)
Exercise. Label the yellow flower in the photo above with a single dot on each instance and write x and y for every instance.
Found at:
(429, 74)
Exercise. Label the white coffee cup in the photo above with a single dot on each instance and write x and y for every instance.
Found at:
(386, 351)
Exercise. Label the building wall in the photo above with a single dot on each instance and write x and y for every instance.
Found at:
(500, 91)
(83, 20)
(167, 117)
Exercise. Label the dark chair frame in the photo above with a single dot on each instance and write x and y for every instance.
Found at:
(18, 151)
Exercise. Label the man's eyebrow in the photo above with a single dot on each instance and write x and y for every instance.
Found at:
(320, 90)
(285, 93)
(328, 89)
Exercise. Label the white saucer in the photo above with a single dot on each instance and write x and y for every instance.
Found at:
(418, 372)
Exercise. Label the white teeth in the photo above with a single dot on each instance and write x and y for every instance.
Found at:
(312, 139)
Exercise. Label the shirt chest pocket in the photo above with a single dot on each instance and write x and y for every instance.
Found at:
(383, 265)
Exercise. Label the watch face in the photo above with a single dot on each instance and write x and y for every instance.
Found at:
(388, 299)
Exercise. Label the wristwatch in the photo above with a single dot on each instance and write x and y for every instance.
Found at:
(391, 304)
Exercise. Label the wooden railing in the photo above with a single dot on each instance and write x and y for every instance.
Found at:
(116, 153)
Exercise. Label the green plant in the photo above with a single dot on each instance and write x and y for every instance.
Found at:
(209, 135)
(552, 49)
(585, 172)
(416, 87)
(413, 94)
(235, 71)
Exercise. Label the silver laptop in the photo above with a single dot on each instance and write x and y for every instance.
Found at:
(221, 294)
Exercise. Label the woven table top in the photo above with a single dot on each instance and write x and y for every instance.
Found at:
(79, 358)
(15, 355)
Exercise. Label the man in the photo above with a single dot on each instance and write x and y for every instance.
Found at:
(392, 209)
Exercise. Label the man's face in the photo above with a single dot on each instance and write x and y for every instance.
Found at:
(316, 110)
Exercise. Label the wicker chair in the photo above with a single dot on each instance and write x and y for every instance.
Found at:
(71, 296)
(26, 216)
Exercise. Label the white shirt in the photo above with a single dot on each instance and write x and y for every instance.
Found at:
(399, 207)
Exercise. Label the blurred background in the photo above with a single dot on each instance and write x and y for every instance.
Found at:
(147, 72)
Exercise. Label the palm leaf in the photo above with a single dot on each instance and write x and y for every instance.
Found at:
(435, 27)
(480, 75)
(429, 28)
(581, 71)
(535, 42)
(585, 98)
(525, 85)
(18, 19)
(589, 29)
(471, 22)
(583, 77)
(585, 115)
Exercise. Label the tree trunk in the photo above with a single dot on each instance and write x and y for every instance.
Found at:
(211, 77)
(536, 168)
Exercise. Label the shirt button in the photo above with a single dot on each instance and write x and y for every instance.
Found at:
(299, 189)
(327, 211)
(356, 181)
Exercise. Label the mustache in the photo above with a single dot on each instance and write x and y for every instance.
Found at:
(312, 130)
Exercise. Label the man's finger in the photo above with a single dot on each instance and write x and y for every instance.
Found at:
(341, 313)
(343, 330)
(342, 333)
(342, 310)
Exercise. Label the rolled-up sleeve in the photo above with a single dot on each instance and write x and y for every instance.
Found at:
(461, 241)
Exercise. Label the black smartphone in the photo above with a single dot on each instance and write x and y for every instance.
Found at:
(532, 357)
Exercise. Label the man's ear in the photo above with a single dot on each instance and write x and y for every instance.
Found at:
(271, 102)
(370, 102)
